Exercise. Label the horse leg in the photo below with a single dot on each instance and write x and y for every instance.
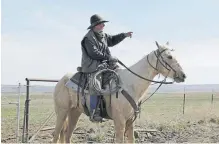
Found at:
(61, 116)
(119, 130)
(63, 131)
(130, 131)
(73, 117)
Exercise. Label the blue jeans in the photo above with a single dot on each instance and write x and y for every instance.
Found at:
(93, 102)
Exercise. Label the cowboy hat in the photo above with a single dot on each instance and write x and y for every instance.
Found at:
(95, 20)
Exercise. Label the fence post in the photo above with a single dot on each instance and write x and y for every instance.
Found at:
(26, 112)
(27, 108)
(184, 99)
(18, 111)
(212, 96)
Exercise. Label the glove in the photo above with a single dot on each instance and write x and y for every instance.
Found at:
(113, 59)
(102, 66)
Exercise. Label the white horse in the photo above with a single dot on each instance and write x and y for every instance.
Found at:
(159, 61)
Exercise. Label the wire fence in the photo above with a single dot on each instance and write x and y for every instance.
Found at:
(11, 113)
(160, 106)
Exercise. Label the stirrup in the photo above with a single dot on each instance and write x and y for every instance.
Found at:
(97, 121)
(93, 119)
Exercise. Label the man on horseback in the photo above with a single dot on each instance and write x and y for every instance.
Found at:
(94, 51)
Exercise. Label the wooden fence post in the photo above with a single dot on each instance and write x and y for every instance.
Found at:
(212, 96)
(184, 100)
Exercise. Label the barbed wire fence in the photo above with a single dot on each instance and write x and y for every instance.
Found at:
(40, 111)
(14, 126)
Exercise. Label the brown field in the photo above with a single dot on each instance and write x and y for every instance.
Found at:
(163, 112)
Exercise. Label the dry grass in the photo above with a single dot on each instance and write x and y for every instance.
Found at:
(163, 112)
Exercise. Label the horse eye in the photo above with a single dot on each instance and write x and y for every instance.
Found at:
(169, 57)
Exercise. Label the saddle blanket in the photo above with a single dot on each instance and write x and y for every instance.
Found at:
(74, 86)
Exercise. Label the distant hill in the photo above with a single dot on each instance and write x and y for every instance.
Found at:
(163, 89)
(188, 88)
(33, 89)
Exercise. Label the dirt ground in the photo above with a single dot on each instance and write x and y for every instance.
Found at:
(202, 131)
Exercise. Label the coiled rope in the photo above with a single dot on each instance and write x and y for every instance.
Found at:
(97, 84)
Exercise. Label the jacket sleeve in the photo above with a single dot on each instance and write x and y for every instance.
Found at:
(94, 52)
(113, 40)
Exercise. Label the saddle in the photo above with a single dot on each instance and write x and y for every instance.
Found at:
(82, 81)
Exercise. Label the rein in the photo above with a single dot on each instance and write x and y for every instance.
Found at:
(141, 76)
(162, 82)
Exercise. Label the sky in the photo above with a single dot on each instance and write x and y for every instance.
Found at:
(41, 38)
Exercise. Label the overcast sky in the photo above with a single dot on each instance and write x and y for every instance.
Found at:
(41, 38)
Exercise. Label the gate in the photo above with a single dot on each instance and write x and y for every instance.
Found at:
(25, 135)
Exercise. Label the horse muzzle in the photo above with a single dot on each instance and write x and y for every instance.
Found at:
(180, 77)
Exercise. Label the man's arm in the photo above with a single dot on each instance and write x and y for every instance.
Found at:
(113, 40)
(93, 51)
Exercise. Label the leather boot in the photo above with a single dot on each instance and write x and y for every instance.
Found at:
(95, 116)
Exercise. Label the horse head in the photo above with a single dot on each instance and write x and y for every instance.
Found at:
(167, 64)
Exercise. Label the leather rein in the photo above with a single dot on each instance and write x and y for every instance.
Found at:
(164, 64)
(158, 60)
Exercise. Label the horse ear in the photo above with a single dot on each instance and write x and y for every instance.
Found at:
(157, 44)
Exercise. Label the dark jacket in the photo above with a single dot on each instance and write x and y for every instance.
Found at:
(94, 51)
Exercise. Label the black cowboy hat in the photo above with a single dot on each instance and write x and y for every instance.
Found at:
(95, 20)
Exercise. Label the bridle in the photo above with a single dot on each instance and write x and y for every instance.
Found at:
(158, 55)
(164, 64)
